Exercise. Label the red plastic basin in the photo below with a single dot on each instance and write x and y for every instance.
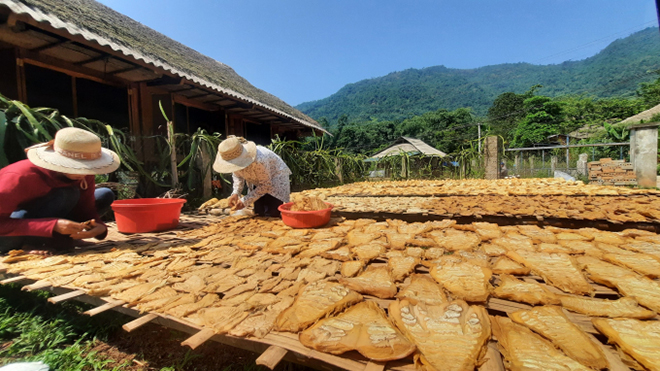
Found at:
(304, 219)
(147, 214)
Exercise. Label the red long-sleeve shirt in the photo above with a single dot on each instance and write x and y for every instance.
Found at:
(22, 182)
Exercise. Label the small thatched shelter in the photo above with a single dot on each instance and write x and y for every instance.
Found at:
(410, 146)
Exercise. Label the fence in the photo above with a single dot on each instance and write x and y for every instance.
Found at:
(539, 162)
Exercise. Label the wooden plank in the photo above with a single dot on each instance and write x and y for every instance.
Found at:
(505, 305)
(290, 341)
(582, 321)
(67, 296)
(613, 359)
(12, 280)
(199, 338)
(139, 322)
(104, 307)
(375, 366)
(493, 359)
(271, 357)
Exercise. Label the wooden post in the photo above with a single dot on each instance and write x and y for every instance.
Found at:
(204, 163)
(20, 80)
(339, 170)
(553, 165)
(172, 140)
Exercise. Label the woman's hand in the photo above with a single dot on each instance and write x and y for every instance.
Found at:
(67, 227)
(97, 230)
(239, 205)
(233, 199)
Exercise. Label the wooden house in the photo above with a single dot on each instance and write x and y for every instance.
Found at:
(88, 60)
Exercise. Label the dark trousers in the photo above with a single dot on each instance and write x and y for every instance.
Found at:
(57, 204)
(267, 205)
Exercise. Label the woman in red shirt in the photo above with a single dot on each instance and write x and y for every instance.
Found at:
(45, 199)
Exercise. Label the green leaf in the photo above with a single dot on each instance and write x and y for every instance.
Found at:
(32, 120)
(160, 104)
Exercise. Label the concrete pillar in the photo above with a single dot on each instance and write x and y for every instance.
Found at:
(518, 162)
(492, 151)
(553, 164)
(531, 165)
(644, 148)
(632, 145)
(582, 164)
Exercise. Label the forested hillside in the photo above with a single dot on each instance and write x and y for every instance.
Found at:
(616, 71)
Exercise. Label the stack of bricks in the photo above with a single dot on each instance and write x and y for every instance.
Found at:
(612, 172)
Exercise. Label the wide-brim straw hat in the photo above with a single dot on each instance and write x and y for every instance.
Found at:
(234, 153)
(74, 151)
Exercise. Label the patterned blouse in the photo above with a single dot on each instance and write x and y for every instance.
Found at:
(267, 174)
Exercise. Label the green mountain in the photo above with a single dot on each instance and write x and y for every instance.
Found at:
(615, 71)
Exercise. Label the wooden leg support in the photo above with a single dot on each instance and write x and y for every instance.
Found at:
(271, 356)
(199, 338)
(139, 322)
(36, 286)
(13, 279)
(375, 366)
(67, 296)
(104, 307)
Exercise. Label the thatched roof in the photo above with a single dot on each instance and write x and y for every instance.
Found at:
(98, 23)
(645, 116)
(410, 146)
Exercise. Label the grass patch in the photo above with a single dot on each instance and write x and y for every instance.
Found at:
(33, 330)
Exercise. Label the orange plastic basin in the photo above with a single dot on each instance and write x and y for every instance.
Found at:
(147, 214)
(305, 219)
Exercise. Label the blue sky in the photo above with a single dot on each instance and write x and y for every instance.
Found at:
(304, 50)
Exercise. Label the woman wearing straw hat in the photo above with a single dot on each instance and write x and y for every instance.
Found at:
(266, 175)
(45, 200)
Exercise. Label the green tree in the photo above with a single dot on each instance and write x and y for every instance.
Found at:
(507, 111)
(649, 92)
(442, 129)
(544, 118)
(341, 123)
